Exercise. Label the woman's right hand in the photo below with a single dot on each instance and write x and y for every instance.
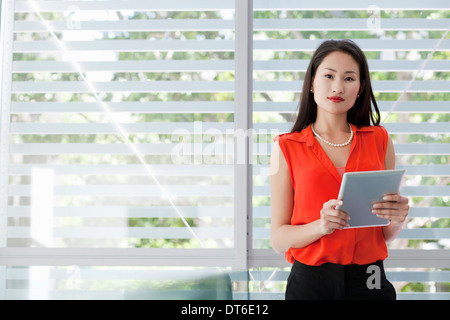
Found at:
(332, 218)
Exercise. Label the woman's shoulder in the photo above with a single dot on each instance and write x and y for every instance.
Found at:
(378, 129)
(283, 136)
(379, 134)
(298, 136)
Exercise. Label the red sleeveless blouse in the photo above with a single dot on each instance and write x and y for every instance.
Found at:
(315, 181)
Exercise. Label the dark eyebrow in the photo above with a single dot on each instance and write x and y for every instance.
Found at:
(344, 72)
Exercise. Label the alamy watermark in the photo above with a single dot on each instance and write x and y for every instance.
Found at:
(71, 23)
(373, 23)
(213, 146)
(374, 280)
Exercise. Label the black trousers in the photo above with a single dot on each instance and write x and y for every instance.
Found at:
(338, 282)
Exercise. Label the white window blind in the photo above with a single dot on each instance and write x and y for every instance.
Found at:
(124, 140)
(121, 126)
(406, 45)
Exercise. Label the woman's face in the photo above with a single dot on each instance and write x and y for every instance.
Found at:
(336, 83)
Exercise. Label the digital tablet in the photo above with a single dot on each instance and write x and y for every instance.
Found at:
(359, 190)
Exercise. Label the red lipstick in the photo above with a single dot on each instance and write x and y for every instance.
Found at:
(336, 99)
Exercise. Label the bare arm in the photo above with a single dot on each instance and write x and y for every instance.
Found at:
(283, 235)
(394, 207)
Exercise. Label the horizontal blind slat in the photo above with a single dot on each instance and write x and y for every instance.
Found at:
(426, 191)
(201, 5)
(122, 86)
(117, 5)
(411, 170)
(178, 128)
(421, 233)
(216, 24)
(364, 44)
(116, 256)
(422, 148)
(425, 127)
(220, 45)
(425, 233)
(374, 65)
(426, 170)
(263, 212)
(416, 276)
(213, 65)
(392, 128)
(209, 107)
(180, 232)
(183, 128)
(377, 86)
(131, 106)
(384, 106)
(125, 45)
(128, 169)
(131, 25)
(344, 24)
(130, 190)
(146, 149)
(361, 5)
(55, 148)
(129, 212)
(429, 212)
(117, 274)
(124, 232)
(210, 86)
(182, 170)
(125, 66)
(408, 191)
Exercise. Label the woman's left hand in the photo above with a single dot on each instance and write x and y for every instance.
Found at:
(393, 207)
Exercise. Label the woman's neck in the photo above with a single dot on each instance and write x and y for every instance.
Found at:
(331, 125)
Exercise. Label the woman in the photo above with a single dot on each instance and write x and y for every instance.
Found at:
(332, 134)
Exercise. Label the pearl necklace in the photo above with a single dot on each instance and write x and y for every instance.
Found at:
(334, 144)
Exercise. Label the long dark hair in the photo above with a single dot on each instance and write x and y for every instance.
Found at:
(361, 114)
